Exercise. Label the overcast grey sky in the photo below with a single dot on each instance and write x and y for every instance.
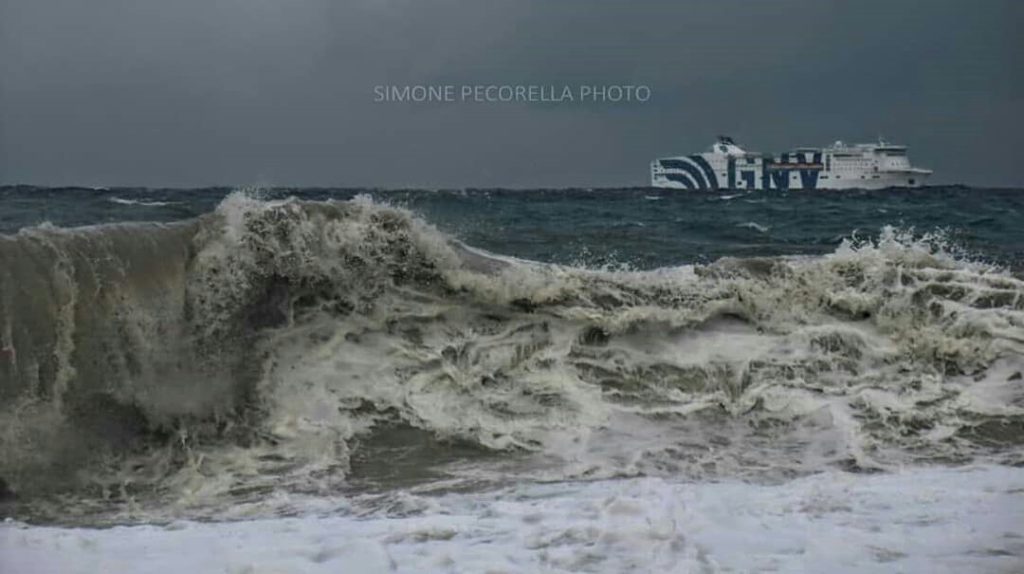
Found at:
(280, 92)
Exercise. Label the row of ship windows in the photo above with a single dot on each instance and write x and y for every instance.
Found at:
(837, 176)
(848, 167)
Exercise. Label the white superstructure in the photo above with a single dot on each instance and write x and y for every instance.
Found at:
(839, 166)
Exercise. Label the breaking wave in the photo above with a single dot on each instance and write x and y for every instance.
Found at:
(268, 344)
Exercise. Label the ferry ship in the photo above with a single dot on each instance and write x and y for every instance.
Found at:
(839, 166)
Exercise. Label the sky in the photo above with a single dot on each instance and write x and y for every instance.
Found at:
(190, 93)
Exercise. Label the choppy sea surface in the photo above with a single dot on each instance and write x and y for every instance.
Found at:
(584, 380)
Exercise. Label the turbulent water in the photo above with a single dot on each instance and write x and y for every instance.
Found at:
(169, 354)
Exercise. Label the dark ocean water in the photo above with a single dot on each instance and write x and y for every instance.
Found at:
(169, 353)
(645, 228)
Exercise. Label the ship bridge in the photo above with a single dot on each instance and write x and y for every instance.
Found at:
(726, 146)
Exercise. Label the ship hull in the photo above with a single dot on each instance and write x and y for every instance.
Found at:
(882, 182)
(727, 166)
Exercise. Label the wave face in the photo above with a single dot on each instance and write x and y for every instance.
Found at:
(306, 345)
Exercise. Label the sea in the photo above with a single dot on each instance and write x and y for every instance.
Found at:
(490, 380)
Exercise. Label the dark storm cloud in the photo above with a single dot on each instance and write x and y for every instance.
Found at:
(114, 92)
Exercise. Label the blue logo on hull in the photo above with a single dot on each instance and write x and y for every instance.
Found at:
(695, 172)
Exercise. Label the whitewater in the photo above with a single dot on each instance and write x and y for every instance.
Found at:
(306, 385)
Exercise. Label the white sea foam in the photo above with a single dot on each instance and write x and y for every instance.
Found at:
(755, 226)
(924, 520)
(122, 201)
